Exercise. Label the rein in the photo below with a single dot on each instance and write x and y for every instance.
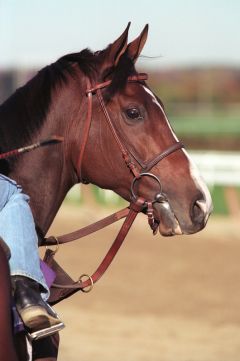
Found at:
(54, 139)
(129, 214)
(137, 205)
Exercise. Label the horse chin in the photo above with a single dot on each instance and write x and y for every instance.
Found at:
(168, 223)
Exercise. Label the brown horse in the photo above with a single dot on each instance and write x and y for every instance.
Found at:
(114, 130)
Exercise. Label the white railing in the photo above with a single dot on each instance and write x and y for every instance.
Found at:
(218, 168)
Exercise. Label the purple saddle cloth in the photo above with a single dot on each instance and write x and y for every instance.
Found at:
(50, 276)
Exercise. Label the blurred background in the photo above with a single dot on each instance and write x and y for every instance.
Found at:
(163, 299)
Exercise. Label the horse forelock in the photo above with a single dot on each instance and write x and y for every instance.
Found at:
(119, 76)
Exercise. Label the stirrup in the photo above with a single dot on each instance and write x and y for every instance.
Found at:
(37, 335)
(48, 331)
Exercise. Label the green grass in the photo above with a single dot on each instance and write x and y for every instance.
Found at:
(108, 198)
(219, 202)
(207, 126)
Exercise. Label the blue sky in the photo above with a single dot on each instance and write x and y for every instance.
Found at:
(34, 33)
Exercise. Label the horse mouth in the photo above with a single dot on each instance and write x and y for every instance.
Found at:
(168, 223)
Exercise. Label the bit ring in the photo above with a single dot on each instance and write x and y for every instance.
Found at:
(134, 195)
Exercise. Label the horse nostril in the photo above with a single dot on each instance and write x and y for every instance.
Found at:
(198, 212)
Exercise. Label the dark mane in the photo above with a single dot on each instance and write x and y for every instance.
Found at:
(86, 60)
(25, 112)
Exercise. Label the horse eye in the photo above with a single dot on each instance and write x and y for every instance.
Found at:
(133, 113)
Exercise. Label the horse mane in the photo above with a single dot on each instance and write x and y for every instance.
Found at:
(25, 112)
(88, 62)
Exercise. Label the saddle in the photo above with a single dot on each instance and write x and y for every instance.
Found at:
(55, 274)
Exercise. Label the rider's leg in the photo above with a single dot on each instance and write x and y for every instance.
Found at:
(17, 228)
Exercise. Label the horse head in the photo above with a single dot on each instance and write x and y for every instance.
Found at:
(126, 135)
(116, 135)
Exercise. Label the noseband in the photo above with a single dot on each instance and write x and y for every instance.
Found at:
(138, 168)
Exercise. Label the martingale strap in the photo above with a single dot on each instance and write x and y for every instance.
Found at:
(85, 231)
(65, 290)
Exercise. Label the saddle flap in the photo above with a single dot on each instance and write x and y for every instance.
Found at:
(57, 294)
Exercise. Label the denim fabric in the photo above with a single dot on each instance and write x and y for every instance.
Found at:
(17, 229)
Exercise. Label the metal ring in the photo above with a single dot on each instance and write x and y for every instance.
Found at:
(138, 179)
(91, 280)
(57, 245)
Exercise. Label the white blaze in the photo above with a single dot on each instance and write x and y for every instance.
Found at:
(200, 184)
(193, 170)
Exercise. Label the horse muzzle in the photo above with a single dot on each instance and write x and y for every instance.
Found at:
(170, 223)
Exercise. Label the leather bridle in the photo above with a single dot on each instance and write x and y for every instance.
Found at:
(138, 169)
(128, 156)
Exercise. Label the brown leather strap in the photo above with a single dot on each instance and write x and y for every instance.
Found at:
(86, 130)
(123, 149)
(135, 208)
(89, 93)
(150, 164)
(133, 78)
(69, 237)
(147, 166)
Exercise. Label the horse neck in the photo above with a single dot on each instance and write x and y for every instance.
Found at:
(47, 174)
(45, 178)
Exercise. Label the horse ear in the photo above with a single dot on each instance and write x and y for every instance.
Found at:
(135, 47)
(116, 49)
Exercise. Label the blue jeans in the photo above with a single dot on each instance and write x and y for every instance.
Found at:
(17, 229)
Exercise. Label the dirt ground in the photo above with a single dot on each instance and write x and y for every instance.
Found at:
(163, 299)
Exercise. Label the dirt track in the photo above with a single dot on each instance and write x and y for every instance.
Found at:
(163, 299)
